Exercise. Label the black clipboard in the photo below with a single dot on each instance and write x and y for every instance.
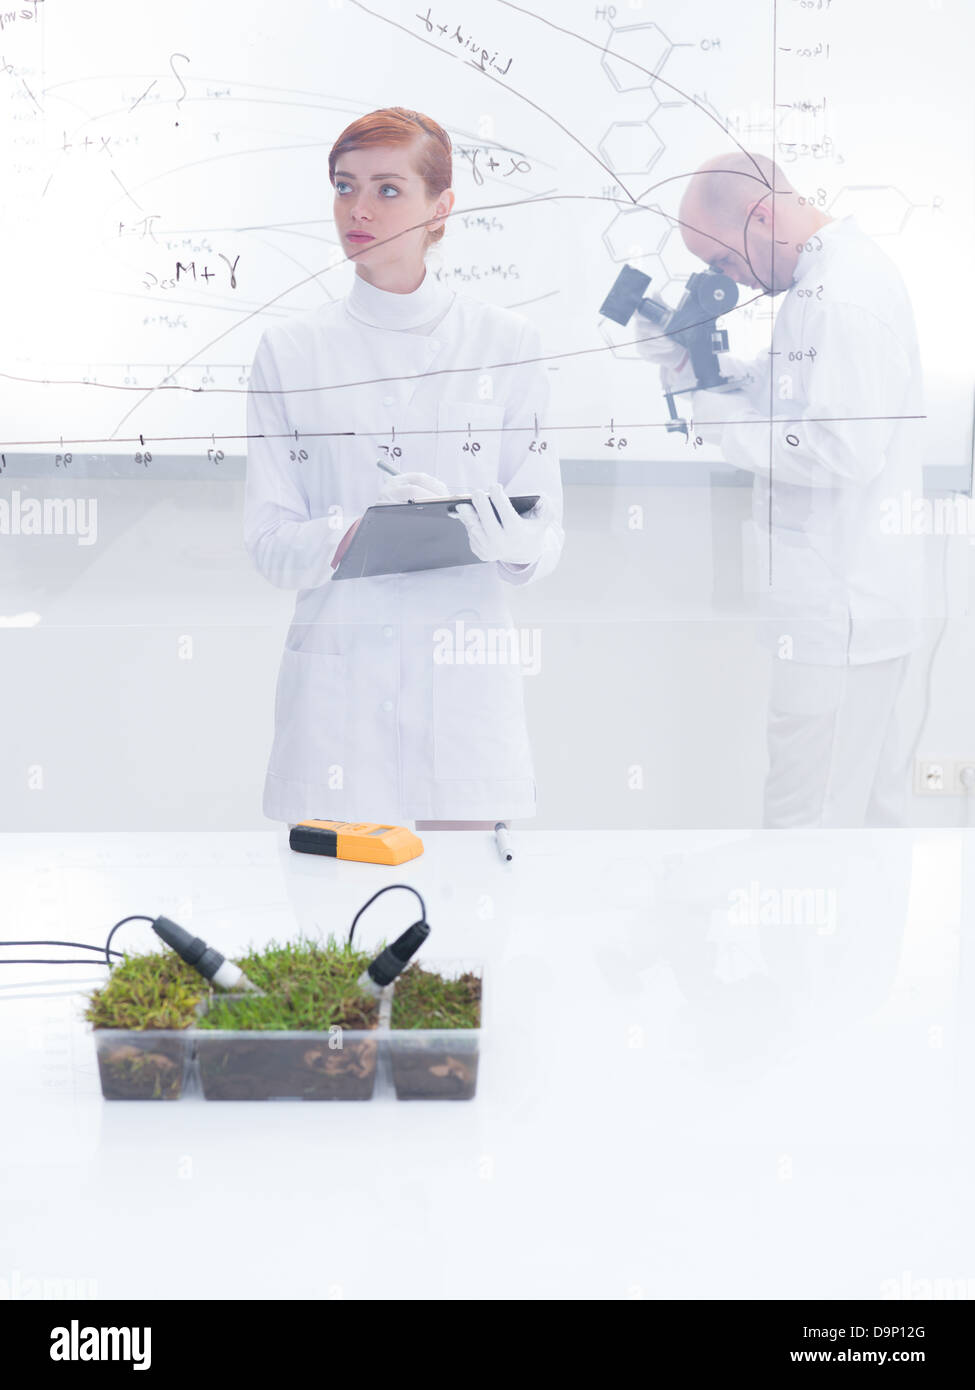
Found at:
(403, 537)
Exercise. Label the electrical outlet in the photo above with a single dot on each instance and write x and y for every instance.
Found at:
(933, 777)
(944, 777)
(963, 778)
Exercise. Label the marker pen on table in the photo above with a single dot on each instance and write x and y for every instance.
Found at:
(503, 841)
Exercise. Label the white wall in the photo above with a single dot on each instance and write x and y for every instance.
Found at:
(648, 657)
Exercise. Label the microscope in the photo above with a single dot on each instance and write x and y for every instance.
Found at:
(707, 296)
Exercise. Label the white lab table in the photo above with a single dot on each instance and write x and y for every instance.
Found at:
(714, 1065)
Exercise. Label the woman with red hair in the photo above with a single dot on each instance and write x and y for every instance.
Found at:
(399, 696)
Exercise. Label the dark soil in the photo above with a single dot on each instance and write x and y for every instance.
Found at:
(286, 1069)
(436, 1074)
(136, 1071)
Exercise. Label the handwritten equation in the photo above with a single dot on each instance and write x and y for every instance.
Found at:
(484, 59)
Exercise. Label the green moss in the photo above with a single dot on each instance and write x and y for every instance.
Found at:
(308, 985)
(151, 991)
(424, 999)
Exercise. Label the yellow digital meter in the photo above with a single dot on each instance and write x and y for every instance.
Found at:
(370, 843)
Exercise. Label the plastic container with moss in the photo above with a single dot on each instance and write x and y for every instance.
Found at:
(141, 1020)
(435, 1031)
(311, 1036)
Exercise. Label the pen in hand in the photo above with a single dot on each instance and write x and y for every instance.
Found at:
(393, 473)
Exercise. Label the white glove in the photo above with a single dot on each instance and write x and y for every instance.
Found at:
(681, 378)
(514, 540)
(653, 344)
(734, 368)
(674, 361)
(709, 407)
(413, 487)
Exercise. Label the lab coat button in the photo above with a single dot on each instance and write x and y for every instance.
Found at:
(387, 632)
(388, 706)
(387, 400)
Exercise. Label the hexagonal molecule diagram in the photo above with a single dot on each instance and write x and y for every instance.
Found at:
(643, 44)
(880, 209)
(633, 56)
(635, 232)
(631, 147)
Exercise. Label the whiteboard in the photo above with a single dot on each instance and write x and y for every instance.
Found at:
(166, 191)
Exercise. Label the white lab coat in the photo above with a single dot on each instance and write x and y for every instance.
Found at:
(373, 720)
(841, 588)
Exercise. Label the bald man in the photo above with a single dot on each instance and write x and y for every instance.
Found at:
(822, 422)
(741, 215)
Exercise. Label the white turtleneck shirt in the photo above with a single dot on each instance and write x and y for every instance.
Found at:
(418, 311)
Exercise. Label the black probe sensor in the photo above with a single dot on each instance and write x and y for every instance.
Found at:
(393, 959)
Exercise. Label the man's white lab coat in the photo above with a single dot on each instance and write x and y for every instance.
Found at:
(843, 373)
(378, 716)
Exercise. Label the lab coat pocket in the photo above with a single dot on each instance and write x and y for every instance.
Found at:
(479, 730)
(805, 579)
(468, 450)
(789, 569)
(310, 719)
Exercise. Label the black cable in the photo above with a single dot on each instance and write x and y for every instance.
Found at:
(19, 961)
(81, 945)
(108, 941)
(139, 917)
(387, 889)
